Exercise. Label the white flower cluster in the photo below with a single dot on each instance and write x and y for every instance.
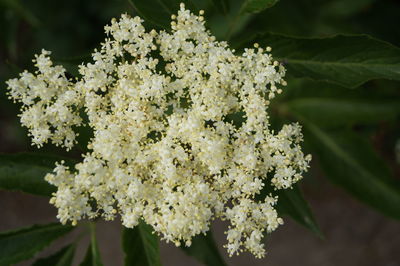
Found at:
(50, 103)
(181, 132)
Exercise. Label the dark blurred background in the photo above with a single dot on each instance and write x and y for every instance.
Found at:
(354, 233)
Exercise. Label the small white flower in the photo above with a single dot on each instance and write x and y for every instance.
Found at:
(167, 147)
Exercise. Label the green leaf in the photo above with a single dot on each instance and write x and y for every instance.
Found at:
(330, 112)
(155, 12)
(255, 6)
(348, 60)
(92, 257)
(62, 258)
(204, 249)
(292, 203)
(158, 12)
(349, 161)
(140, 246)
(21, 244)
(222, 5)
(25, 172)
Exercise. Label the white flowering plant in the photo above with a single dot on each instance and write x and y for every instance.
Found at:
(174, 123)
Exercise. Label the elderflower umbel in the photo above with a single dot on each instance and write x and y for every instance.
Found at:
(181, 132)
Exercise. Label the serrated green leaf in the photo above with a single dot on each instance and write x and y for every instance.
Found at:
(140, 246)
(92, 257)
(292, 203)
(24, 243)
(203, 248)
(331, 112)
(349, 161)
(255, 6)
(348, 60)
(25, 172)
(62, 258)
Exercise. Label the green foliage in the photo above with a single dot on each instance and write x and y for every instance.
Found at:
(140, 246)
(336, 121)
(348, 60)
(347, 158)
(334, 112)
(350, 162)
(292, 203)
(254, 6)
(345, 9)
(62, 258)
(158, 12)
(25, 172)
(222, 5)
(24, 243)
(92, 257)
(203, 248)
